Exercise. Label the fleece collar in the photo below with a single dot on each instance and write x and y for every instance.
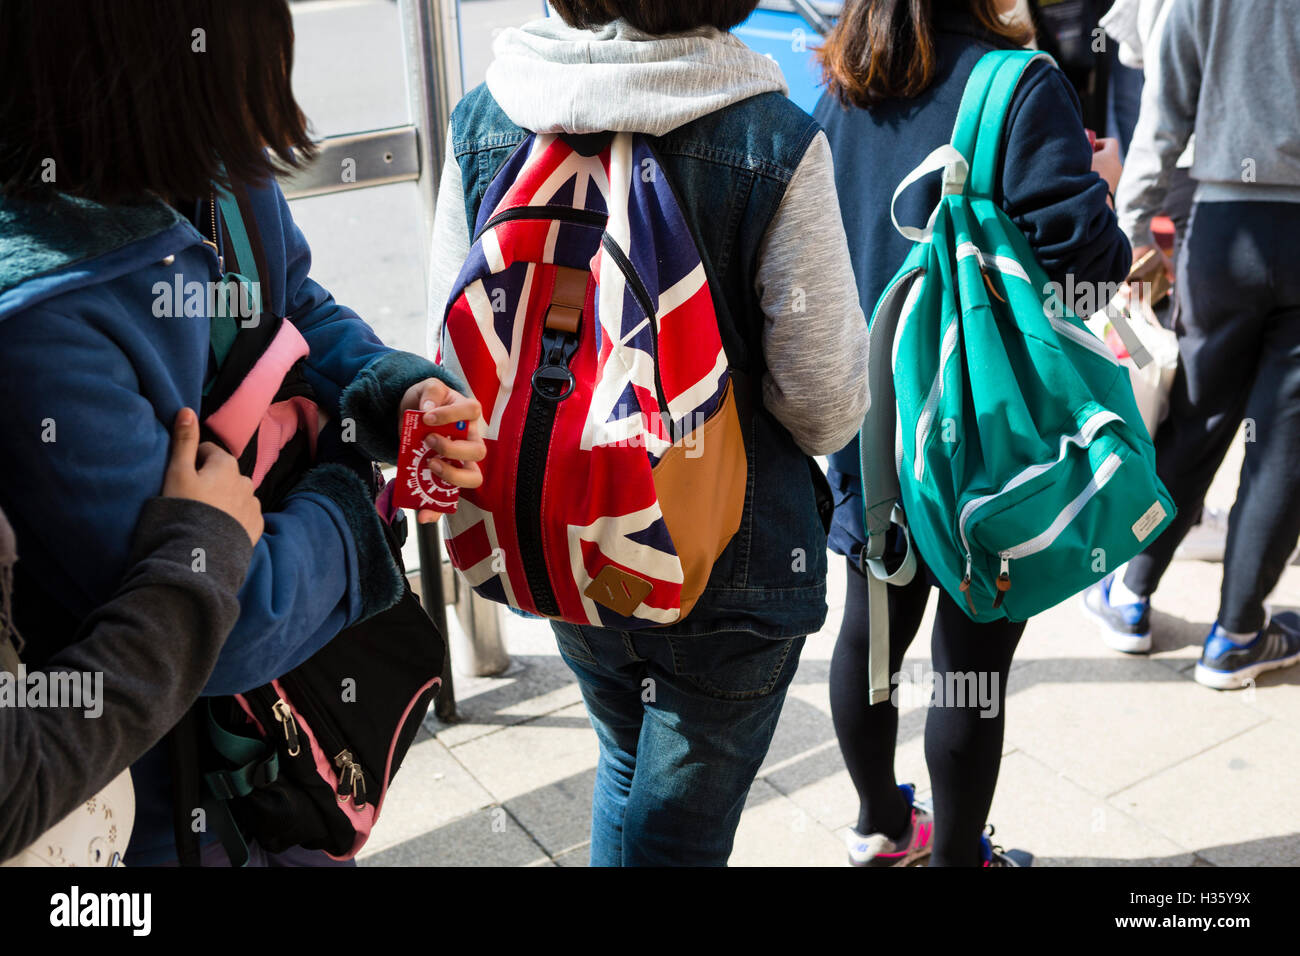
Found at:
(43, 244)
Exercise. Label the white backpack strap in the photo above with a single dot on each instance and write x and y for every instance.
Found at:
(880, 490)
(955, 170)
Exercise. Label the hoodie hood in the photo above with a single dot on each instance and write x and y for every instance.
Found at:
(551, 78)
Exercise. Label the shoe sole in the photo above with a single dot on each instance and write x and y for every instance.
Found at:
(1118, 640)
(1235, 680)
(1013, 858)
(887, 863)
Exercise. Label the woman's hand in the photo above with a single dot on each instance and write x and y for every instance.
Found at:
(457, 458)
(207, 473)
(1106, 162)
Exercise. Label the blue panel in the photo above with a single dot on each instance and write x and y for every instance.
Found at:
(788, 39)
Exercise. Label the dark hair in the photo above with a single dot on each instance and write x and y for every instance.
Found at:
(884, 49)
(656, 16)
(118, 99)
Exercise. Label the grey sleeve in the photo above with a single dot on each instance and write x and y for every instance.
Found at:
(153, 645)
(814, 332)
(449, 247)
(1165, 124)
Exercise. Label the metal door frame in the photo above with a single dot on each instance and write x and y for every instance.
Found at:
(411, 152)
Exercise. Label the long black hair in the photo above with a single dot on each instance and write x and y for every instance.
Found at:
(114, 100)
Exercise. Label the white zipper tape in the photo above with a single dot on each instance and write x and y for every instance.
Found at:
(1084, 437)
(1071, 511)
(1009, 266)
(926, 418)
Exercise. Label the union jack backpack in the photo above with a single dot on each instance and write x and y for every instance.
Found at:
(583, 323)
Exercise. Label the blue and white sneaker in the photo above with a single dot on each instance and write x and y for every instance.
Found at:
(1124, 627)
(876, 849)
(994, 856)
(1225, 665)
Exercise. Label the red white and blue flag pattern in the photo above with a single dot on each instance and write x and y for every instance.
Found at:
(641, 380)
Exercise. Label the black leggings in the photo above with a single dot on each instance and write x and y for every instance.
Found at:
(963, 743)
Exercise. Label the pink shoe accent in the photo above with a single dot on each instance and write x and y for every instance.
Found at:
(923, 835)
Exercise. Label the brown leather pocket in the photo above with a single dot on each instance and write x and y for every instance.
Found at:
(701, 483)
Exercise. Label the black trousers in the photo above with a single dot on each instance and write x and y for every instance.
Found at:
(963, 730)
(1238, 325)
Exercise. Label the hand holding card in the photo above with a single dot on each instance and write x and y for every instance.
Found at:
(440, 427)
(418, 486)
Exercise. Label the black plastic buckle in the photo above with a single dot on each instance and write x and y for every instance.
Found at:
(553, 381)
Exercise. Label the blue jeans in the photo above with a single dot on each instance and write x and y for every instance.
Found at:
(683, 724)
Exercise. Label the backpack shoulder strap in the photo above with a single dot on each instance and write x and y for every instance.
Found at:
(880, 489)
(981, 118)
(246, 260)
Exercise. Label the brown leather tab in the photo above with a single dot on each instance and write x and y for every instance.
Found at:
(568, 299)
(563, 318)
(570, 287)
(618, 590)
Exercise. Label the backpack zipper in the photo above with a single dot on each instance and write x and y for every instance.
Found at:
(562, 213)
(1084, 437)
(643, 299)
(352, 775)
(539, 422)
(1007, 266)
(1080, 337)
(280, 709)
(926, 418)
(1044, 540)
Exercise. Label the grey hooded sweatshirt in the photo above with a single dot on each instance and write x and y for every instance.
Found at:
(1225, 71)
(551, 78)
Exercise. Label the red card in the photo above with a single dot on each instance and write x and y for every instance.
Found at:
(417, 487)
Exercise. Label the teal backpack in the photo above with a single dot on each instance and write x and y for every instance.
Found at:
(1003, 437)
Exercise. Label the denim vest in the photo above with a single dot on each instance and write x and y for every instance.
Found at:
(730, 169)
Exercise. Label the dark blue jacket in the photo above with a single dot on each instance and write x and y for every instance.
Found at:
(1046, 186)
(94, 365)
(730, 169)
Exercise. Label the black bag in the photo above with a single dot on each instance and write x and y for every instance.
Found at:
(306, 759)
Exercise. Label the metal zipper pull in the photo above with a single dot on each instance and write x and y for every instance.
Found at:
(1004, 581)
(285, 716)
(358, 786)
(965, 588)
(348, 774)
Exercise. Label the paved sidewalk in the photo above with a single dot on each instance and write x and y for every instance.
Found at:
(1109, 760)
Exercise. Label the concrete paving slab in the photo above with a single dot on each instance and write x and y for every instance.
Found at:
(533, 686)
(818, 782)
(1063, 824)
(488, 837)
(531, 755)
(1109, 724)
(430, 791)
(558, 815)
(776, 831)
(578, 856)
(1237, 803)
